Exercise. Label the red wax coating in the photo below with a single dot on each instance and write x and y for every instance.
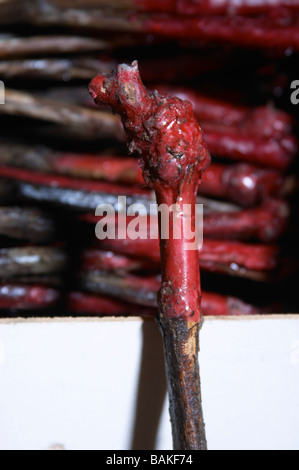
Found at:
(215, 7)
(211, 304)
(244, 184)
(138, 290)
(213, 254)
(250, 32)
(94, 259)
(278, 154)
(266, 223)
(57, 181)
(166, 134)
(206, 108)
(82, 303)
(219, 305)
(268, 122)
(112, 169)
(162, 130)
(265, 121)
(22, 297)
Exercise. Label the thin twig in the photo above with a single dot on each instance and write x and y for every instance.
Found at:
(38, 45)
(86, 122)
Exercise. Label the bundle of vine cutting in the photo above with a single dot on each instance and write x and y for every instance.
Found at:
(61, 158)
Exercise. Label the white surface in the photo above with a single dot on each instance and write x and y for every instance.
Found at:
(74, 384)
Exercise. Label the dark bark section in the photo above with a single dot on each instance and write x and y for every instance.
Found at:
(181, 348)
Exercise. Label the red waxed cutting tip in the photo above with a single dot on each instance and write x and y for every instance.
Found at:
(163, 130)
(165, 133)
(122, 90)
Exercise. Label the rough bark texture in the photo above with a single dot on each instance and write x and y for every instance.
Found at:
(181, 347)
